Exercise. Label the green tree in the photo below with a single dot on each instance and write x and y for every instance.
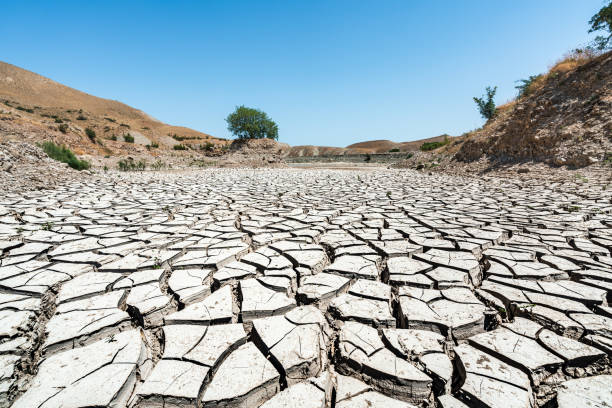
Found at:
(602, 21)
(249, 123)
(486, 105)
(524, 88)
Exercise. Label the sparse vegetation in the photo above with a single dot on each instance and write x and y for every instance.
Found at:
(58, 120)
(125, 125)
(486, 104)
(130, 164)
(179, 147)
(91, 134)
(394, 150)
(248, 123)
(111, 120)
(154, 145)
(65, 155)
(81, 117)
(21, 108)
(181, 138)
(201, 163)
(63, 128)
(427, 146)
(128, 138)
(158, 165)
(113, 137)
(209, 147)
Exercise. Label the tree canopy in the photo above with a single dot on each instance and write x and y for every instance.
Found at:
(602, 21)
(249, 123)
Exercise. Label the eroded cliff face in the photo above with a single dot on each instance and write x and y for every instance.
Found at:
(567, 120)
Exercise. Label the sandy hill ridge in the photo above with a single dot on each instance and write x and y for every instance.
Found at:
(33, 107)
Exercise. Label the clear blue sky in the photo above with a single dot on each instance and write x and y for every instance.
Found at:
(328, 72)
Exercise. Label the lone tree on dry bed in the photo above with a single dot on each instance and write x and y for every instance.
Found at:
(248, 123)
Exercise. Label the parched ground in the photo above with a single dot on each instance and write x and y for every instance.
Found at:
(306, 288)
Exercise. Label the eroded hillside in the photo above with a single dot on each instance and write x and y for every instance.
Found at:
(566, 119)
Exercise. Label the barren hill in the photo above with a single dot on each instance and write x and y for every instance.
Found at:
(35, 108)
(371, 146)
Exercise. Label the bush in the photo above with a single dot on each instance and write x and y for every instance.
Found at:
(394, 150)
(113, 137)
(91, 134)
(130, 165)
(63, 128)
(58, 120)
(128, 138)
(209, 147)
(21, 108)
(427, 146)
(65, 155)
(154, 145)
(486, 105)
(125, 125)
(158, 165)
(81, 117)
(526, 85)
(179, 147)
(249, 123)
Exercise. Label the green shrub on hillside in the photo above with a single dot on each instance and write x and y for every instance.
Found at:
(91, 134)
(180, 147)
(81, 117)
(65, 155)
(486, 105)
(128, 138)
(63, 128)
(434, 145)
(394, 150)
(524, 88)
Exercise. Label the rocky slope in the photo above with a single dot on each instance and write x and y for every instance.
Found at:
(24, 167)
(565, 120)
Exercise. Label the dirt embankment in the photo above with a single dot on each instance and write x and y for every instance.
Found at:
(256, 153)
(566, 119)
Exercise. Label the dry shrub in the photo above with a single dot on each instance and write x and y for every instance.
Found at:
(506, 106)
(574, 59)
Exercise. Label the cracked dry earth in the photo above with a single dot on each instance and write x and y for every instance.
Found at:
(285, 288)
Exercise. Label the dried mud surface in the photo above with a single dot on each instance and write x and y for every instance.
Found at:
(306, 288)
